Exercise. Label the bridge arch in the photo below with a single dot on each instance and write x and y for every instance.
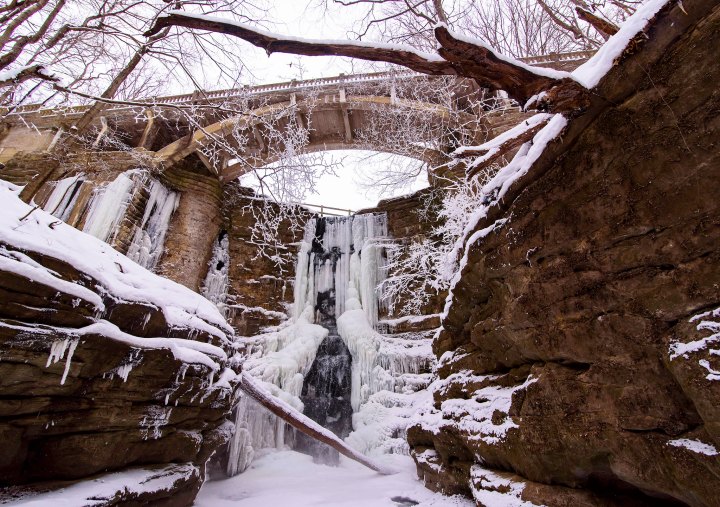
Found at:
(235, 145)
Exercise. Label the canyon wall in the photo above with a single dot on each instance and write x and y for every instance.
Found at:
(576, 361)
(107, 371)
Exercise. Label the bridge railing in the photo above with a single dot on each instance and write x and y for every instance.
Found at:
(322, 210)
(287, 86)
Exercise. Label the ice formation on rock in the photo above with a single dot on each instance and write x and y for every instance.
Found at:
(62, 199)
(279, 361)
(216, 282)
(108, 205)
(149, 239)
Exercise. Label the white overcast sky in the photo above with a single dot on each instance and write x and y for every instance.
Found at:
(295, 18)
(301, 19)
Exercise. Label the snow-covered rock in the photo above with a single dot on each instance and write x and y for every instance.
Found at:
(103, 364)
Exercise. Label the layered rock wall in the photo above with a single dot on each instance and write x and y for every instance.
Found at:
(104, 367)
(576, 360)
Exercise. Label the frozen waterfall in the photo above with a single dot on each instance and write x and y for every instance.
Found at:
(329, 359)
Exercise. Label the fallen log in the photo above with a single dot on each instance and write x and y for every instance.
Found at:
(303, 423)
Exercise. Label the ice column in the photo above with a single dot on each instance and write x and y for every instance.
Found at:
(62, 200)
(304, 290)
(216, 281)
(108, 206)
(149, 239)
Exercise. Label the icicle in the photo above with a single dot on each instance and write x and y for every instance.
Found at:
(57, 353)
(149, 239)
(62, 200)
(108, 205)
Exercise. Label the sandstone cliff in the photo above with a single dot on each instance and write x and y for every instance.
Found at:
(576, 362)
(108, 371)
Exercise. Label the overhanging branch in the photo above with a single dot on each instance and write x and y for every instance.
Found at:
(274, 43)
(456, 57)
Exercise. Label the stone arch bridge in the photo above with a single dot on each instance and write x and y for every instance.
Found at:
(153, 173)
(232, 131)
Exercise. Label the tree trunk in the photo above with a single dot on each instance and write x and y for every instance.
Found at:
(305, 424)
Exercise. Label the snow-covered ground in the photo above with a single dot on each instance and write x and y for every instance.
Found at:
(291, 478)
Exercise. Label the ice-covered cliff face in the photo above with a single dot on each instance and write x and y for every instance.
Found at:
(131, 369)
(108, 208)
(329, 359)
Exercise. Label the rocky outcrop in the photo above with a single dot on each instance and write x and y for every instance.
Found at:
(261, 287)
(410, 219)
(104, 367)
(576, 362)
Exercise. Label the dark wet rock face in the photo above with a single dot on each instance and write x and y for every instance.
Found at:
(326, 396)
(587, 319)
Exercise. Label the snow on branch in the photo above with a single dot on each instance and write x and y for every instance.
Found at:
(458, 56)
(13, 77)
(303, 423)
(490, 152)
(472, 58)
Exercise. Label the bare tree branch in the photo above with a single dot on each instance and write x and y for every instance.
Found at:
(272, 43)
(605, 28)
(459, 57)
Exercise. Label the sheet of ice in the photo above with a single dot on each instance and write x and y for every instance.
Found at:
(37, 231)
(215, 286)
(63, 197)
(289, 353)
(695, 446)
(380, 426)
(303, 289)
(363, 342)
(148, 242)
(276, 477)
(108, 205)
(591, 72)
